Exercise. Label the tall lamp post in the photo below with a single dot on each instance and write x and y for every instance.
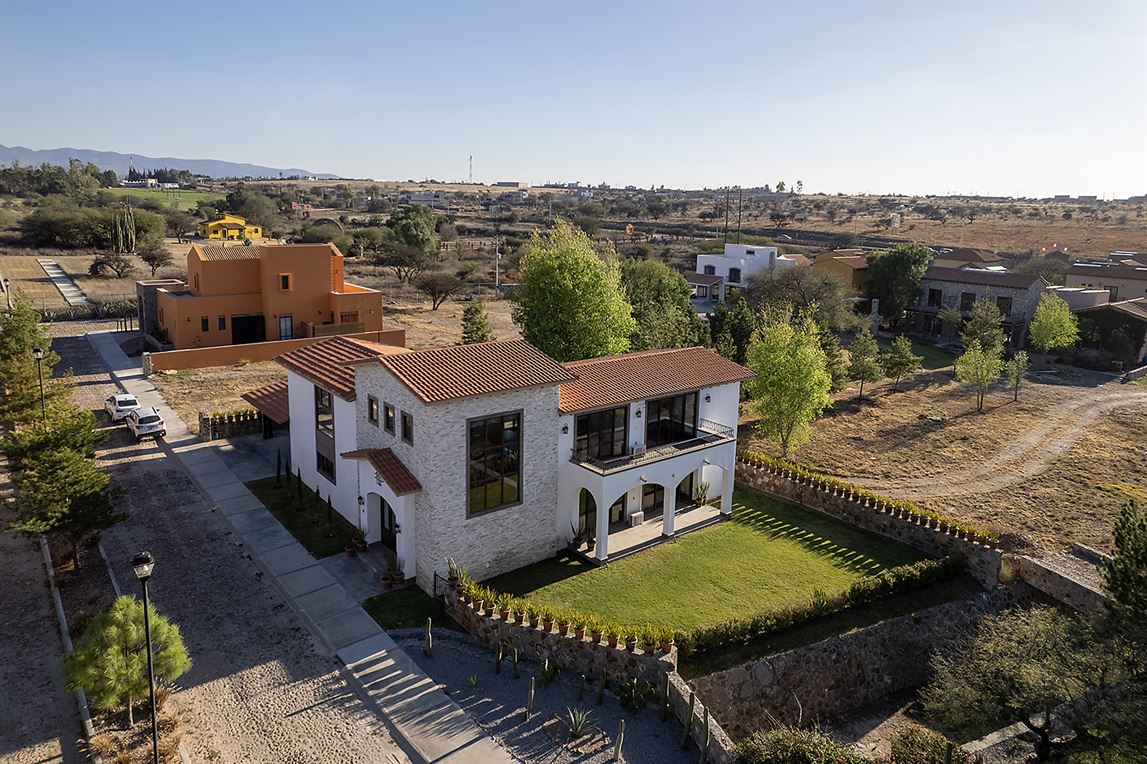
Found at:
(143, 563)
(38, 354)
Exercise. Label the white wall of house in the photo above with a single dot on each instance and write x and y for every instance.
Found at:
(491, 543)
(344, 490)
(749, 259)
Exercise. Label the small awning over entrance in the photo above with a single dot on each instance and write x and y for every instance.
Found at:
(271, 401)
(389, 469)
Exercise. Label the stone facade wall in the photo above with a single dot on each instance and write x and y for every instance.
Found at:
(566, 651)
(810, 683)
(1057, 584)
(720, 745)
(982, 559)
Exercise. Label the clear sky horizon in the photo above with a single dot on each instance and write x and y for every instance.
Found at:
(1000, 98)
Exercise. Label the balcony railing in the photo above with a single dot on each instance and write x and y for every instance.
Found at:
(707, 434)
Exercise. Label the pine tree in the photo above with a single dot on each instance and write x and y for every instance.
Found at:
(476, 324)
(110, 660)
(47, 487)
(834, 360)
(864, 359)
(20, 333)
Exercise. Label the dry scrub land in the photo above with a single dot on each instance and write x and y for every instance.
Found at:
(1049, 470)
(214, 390)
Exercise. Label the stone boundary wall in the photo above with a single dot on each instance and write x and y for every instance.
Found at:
(721, 748)
(929, 536)
(566, 651)
(229, 425)
(1059, 585)
(807, 684)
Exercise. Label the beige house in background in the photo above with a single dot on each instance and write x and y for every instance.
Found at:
(1124, 282)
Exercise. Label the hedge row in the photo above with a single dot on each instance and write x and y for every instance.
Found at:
(913, 509)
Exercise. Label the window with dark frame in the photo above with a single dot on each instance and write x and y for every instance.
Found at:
(408, 428)
(967, 300)
(372, 410)
(602, 434)
(325, 467)
(710, 270)
(495, 465)
(324, 413)
(735, 275)
(285, 282)
(669, 420)
(935, 298)
(204, 325)
(1005, 305)
(223, 323)
(388, 417)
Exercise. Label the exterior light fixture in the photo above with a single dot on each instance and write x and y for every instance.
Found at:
(361, 501)
(142, 564)
(638, 414)
(708, 398)
(565, 429)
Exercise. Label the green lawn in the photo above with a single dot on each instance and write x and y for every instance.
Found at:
(407, 609)
(183, 198)
(772, 554)
(934, 357)
(308, 525)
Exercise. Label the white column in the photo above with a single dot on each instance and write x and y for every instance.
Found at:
(601, 551)
(668, 512)
(727, 490)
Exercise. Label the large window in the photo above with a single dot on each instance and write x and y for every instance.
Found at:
(324, 413)
(668, 420)
(602, 434)
(388, 417)
(495, 465)
(935, 298)
(734, 275)
(710, 270)
(372, 410)
(967, 300)
(407, 428)
(1005, 305)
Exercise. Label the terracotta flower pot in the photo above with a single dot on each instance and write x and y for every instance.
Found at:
(595, 636)
(563, 628)
(548, 625)
(478, 605)
(630, 644)
(519, 617)
(612, 641)
(533, 622)
(504, 613)
(579, 632)
(387, 581)
(666, 646)
(648, 647)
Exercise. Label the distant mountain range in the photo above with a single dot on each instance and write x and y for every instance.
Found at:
(112, 160)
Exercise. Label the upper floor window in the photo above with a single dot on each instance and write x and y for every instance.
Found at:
(495, 465)
(372, 410)
(735, 275)
(668, 420)
(408, 428)
(222, 323)
(204, 325)
(324, 412)
(1005, 305)
(284, 282)
(710, 270)
(935, 298)
(388, 417)
(967, 300)
(602, 434)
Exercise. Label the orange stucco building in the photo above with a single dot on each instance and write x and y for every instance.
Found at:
(238, 294)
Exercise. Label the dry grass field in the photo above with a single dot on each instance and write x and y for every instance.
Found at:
(214, 390)
(1053, 467)
(25, 275)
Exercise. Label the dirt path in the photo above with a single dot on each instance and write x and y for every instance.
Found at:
(1027, 456)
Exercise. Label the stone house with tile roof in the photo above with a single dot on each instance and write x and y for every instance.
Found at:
(1015, 294)
(497, 455)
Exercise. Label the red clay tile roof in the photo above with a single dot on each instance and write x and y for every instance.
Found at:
(981, 277)
(389, 469)
(703, 279)
(235, 252)
(612, 381)
(330, 363)
(271, 401)
(461, 371)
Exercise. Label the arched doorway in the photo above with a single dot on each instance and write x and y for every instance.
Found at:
(586, 514)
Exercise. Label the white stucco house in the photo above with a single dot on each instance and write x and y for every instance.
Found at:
(497, 455)
(739, 261)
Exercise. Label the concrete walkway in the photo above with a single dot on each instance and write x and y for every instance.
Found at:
(425, 722)
(68, 289)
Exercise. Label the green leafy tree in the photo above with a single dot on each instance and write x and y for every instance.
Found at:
(983, 326)
(804, 291)
(415, 227)
(438, 286)
(326, 232)
(1125, 577)
(1054, 325)
(662, 310)
(894, 277)
(476, 324)
(723, 344)
(48, 484)
(571, 303)
(900, 361)
(864, 359)
(1016, 370)
(791, 386)
(738, 322)
(834, 360)
(88, 516)
(110, 660)
(980, 369)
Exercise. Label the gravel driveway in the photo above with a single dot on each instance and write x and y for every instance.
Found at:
(259, 689)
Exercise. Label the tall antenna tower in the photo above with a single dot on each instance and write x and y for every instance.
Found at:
(471, 169)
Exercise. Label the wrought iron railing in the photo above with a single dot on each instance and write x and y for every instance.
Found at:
(707, 433)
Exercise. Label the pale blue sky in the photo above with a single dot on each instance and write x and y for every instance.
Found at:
(912, 97)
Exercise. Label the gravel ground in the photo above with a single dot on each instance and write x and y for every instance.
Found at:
(499, 702)
(39, 721)
(259, 690)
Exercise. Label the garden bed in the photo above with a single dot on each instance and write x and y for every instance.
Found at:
(322, 531)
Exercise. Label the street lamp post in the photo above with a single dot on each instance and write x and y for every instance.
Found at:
(143, 563)
(38, 354)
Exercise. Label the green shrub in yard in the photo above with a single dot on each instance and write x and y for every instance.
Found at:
(791, 746)
(912, 508)
(916, 745)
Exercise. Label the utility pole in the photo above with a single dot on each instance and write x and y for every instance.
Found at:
(740, 199)
(497, 267)
(471, 169)
(728, 191)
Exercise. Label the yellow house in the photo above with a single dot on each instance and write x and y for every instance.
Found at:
(226, 226)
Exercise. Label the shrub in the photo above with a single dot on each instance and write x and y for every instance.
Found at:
(785, 746)
(916, 745)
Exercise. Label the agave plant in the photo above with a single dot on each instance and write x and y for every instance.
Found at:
(579, 722)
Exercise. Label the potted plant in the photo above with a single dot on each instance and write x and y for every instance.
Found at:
(630, 641)
(612, 634)
(579, 621)
(350, 547)
(453, 572)
(519, 609)
(667, 640)
(596, 628)
(505, 601)
(648, 638)
(547, 615)
(386, 580)
(396, 571)
(701, 493)
(359, 539)
(533, 614)
(563, 624)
